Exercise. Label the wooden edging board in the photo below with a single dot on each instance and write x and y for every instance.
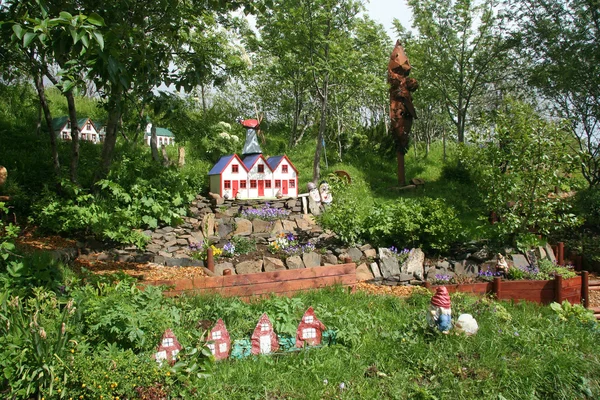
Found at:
(283, 282)
(575, 290)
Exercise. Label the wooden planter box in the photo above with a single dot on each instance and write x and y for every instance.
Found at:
(284, 282)
(575, 290)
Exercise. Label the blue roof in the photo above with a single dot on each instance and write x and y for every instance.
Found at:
(221, 164)
(274, 161)
(250, 160)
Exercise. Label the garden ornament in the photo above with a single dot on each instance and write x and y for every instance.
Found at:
(279, 194)
(326, 197)
(402, 110)
(168, 348)
(3, 175)
(466, 324)
(501, 265)
(440, 313)
(251, 145)
(314, 199)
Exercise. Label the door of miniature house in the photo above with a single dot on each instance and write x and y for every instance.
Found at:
(261, 188)
(285, 187)
(265, 344)
(235, 188)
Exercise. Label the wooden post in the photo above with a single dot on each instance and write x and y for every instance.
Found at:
(558, 280)
(496, 285)
(347, 260)
(226, 272)
(210, 261)
(427, 285)
(401, 173)
(585, 289)
(561, 253)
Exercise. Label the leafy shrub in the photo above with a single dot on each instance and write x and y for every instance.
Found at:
(567, 311)
(588, 206)
(424, 222)
(124, 314)
(518, 169)
(34, 340)
(457, 172)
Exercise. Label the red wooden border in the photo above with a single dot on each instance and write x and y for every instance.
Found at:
(284, 282)
(545, 292)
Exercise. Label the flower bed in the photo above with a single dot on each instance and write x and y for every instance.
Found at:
(539, 291)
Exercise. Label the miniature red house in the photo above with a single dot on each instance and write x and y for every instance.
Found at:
(168, 348)
(264, 339)
(309, 330)
(221, 342)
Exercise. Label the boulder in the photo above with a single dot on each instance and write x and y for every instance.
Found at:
(550, 253)
(363, 273)
(260, 226)
(249, 267)
(414, 264)
(294, 262)
(224, 229)
(330, 259)
(311, 259)
(208, 225)
(289, 226)
(466, 268)
(243, 227)
(272, 264)
(370, 253)
(222, 266)
(375, 270)
(354, 253)
(388, 263)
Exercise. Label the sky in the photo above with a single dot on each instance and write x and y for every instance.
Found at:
(384, 11)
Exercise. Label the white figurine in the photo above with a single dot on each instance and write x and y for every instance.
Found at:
(326, 197)
(467, 324)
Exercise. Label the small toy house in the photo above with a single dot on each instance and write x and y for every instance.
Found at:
(221, 342)
(168, 349)
(260, 177)
(228, 177)
(310, 329)
(264, 339)
(285, 176)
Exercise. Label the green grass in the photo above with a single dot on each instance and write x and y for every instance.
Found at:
(524, 353)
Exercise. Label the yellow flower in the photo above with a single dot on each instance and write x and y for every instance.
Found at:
(168, 373)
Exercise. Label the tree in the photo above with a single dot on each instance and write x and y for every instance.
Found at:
(458, 50)
(558, 42)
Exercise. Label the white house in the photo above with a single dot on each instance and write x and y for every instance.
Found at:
(285, 176)
(88, 129)
(254, 177)
(260, 177)
(163, 136)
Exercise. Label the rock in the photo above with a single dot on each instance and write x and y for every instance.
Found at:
(388, 263)
(224, 228)
(313, 206)
(370, 253)
(481, 255)
(104, 256)
(249, 267)
(197, 236)
(519, 260)
(243, 227)
(289, 226)
(182, 242)
(294, 262)
(303, 225)
(531, 257)
(290, 203)
(363, 273)
(466, 268)
(208, 225)
(273, 264)
(405, 277)
(355, 254)
(260, 226)
(311, 259)
(159, 260)
(144, 258)
(330, 259)
(232, 212)
(375, 271)
(182, 262)
(164, 254)
(125, 258)
(550, 253)
(365, 247)
(222, 266)
(277, 227)
(168, 229)
(414, 264)
(443, 265)
(170, 243)
(540, 253)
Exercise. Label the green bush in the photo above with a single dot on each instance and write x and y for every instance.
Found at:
(425, 222)
(588, 207)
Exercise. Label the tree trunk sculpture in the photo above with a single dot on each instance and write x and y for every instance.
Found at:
(402, 111)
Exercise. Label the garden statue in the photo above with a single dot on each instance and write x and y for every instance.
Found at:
(501, 265)
(325, 193)
(251, 145)
(402, 110)
(168, 348)
(440, 313)
(314, 199)
(466, 324)
(3, 175)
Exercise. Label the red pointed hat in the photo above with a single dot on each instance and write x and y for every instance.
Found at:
(441, 298)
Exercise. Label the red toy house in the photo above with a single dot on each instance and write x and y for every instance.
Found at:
(221, 342)
(168, 348)
(264, 339)
(309, 330)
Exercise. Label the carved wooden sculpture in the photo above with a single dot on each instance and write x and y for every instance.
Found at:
(402, 111)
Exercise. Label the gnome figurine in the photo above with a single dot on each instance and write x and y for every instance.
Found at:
(440, 313)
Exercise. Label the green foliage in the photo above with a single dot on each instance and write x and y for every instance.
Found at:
(516, 169)
(239, 245)
(567, 311)
(588, 207)
(124, 314)
(34, 342)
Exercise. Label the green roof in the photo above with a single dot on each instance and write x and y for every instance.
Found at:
(162, 132)
(59, 123)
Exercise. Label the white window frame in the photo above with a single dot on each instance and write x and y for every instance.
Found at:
(216, 335)
(309, 333)
(167, 342)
